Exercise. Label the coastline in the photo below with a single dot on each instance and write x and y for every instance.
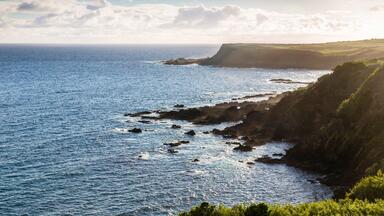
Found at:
(306, 117)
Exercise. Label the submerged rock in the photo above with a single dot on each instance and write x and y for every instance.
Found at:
(191, 133)
(179, 106)
(288, 81)
(137, 114)
(243, 148)
(135, 130)
(196, 160)
(145, 121)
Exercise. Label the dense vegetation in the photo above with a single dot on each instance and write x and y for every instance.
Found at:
(314, 56)
(366, 198)
(341, 119)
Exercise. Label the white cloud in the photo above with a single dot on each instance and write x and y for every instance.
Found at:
(101, 21)
(202, 17)
(44, 5)
(377, 8)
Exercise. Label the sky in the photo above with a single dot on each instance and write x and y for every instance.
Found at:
(189, 22)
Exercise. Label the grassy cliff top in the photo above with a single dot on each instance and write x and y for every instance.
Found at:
(311, 56)
(331, 48)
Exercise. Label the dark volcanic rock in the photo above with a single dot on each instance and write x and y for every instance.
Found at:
(191, 133)
(250, 163)
(196, 160)
(179, 106)
(145, 121)
(150, 117)
(135, 130)
(243, 148)
(175, 126)
(269, 160)
(174, 144)
(183, 114)
(233, 143)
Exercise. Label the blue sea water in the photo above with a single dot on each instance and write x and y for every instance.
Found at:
(65, 149)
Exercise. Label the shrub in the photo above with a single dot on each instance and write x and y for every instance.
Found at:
(369, 188)
(345, 207)
(257, 210)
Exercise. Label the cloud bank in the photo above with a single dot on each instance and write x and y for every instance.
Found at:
(100, 21)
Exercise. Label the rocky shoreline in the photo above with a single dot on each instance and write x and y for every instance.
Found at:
(335, 123)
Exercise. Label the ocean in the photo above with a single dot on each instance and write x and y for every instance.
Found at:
(65, 146)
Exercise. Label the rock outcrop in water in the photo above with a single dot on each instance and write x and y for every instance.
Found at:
(135, 130)
(182, 61)
(224, 112)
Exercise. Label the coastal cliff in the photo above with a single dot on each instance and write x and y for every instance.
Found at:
(309, 56)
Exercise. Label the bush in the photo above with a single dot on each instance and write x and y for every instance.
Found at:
(345, 207)
(257, 210)
(365, 198)
(369, 188)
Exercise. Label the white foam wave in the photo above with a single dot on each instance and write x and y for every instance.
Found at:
(143, 156)
(120, 130)
(195, 172)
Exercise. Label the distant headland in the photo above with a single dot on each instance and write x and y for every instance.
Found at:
(323, 56)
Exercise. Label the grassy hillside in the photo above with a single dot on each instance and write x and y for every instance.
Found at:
(366, 198)
(313, 56)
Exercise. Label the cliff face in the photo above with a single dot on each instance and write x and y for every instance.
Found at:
(269, 57)
(337, 123)
(312, 56)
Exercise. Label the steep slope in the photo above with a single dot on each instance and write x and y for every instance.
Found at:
(352, 142)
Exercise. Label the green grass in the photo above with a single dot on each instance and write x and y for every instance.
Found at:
(313, 56)
(365, 198)
(333, 48)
